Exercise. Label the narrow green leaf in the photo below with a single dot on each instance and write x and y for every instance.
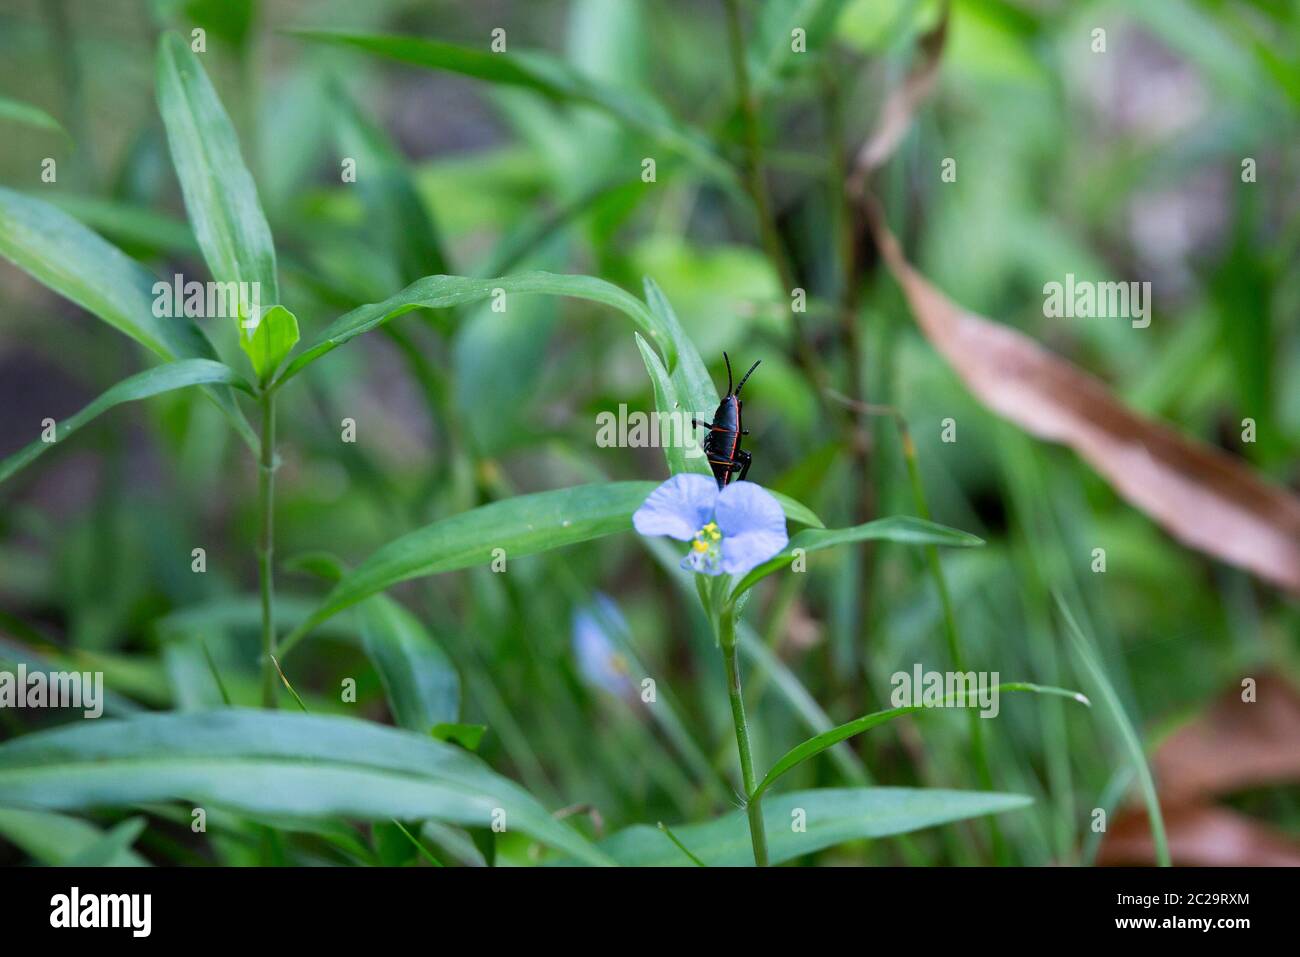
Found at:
(219, 193)
(271, 341)
(58, 839)
(439, 292)
(421, 684)
(19, 112)
(828, 739)
(522, 526)
(142, 385)
(896, 528)
(1096, 674)
(112, 846)
(468, 736)
(832, 816)
(670, 410)
(690, 375)
(278, 763)
(545, 74)
(79, 265)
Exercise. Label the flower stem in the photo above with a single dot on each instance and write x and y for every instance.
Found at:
(727, 639)
(266, 547)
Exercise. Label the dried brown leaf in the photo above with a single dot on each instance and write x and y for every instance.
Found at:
(1233, 745)
(900, 105)
(1199, 836)
(1205, 498)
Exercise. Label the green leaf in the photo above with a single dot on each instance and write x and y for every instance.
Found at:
(828, 739)
(279, 763)
(833, 816)
(218, 189)
(1096, 674)
(421, 684)
(271, 341)
(545, 74)
(670, 410)
(57, 839)
(522, 526)
(142, 385)
(695, 388)
(439, 292)
(771, 51)
(79, 265)
(468, 736)
(112, 845)
(896, 528)
(25, 113)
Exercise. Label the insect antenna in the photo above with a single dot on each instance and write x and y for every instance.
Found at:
(747, 375)
(728, 362)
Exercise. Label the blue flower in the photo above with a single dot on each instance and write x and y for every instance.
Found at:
(731, 530)
(598, 659)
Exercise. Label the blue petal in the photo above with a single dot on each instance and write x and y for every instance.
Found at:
(678, 508)
(598, 659)
(752, 524)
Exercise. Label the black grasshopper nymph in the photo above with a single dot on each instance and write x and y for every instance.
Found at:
(722, 444)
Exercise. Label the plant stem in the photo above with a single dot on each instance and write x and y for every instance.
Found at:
(266, 546)
(757, 185)
(753, 808)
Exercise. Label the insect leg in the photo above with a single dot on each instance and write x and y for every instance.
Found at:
(745, 459)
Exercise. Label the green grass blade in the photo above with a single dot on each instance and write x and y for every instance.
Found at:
(18, 112)
(219, 193)
(828, 739)
(832, 816)
(524, 525)
(1096, 674)
(142, 385)
(420, 682)
(544, 74)
(440, 292)
(278, 763)
(897, 528)
(670, 411)
(112, 846)
(58, 839)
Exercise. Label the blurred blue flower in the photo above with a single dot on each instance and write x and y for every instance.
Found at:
(731, 531)
(598, 658)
